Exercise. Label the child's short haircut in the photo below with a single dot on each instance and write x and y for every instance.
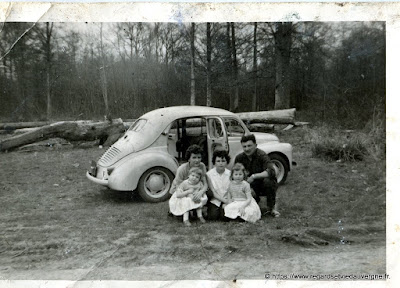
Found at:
(197, 171)
(239, 167)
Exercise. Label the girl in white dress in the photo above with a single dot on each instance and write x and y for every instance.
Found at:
(181, 202)
(241, 203)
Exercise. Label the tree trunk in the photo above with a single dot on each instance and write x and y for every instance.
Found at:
(131, 42)
(47, 48)
(69, 130)
(208, 64)
(235, 101)
(19, 125)
(254, 100)
(103, 74)
(192, 79)
(156, 37)
(229, 63)
(48, 93)
(283, 44)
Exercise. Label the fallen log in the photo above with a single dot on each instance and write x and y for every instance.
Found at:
(109, 131)
(285, 116)
(53, 143)
(17, 131)
(69, 130)
(19, 125)
(261, 127)
(301, 123)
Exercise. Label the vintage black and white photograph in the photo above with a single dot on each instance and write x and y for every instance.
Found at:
(179, 150)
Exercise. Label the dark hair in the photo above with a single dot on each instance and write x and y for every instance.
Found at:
(221, 154)
(193, 149)
(239, 167)
(197, 171)
(249, 137)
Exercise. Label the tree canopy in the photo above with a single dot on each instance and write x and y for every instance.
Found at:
(327, 71)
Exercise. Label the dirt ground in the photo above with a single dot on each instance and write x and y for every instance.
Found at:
(55, 224)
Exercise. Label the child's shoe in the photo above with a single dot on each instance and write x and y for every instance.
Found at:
(202, 220)
(187, 223)
(273, 212)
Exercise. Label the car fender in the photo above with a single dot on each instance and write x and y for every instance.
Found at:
(275, 147)
(284, 149)
(126, 175)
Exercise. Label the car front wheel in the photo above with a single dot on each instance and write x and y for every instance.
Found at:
(281, 167)
(154, 184)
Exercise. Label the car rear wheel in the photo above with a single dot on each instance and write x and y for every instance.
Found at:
(281, 167)
(154, 184)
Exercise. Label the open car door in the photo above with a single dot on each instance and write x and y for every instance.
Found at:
(217, 138)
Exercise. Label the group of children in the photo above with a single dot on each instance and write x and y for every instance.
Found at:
(240, 201)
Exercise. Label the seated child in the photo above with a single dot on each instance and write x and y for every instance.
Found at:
(241, 203)
(181, 202)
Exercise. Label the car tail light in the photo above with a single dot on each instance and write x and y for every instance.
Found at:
(109, 171)
(93, 168)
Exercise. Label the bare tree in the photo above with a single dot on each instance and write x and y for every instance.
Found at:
(103, 74)
(208, 64)
(157, 40)
(129, 39)
(45, 38)
(169, 39)
(340, 65)
(254, 100)
(234, 103)
(283, 44)
(192, 77)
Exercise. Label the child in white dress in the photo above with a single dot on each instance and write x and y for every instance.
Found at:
(241, 203)
(181, 202)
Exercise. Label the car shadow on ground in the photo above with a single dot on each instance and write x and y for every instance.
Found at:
(120, 196)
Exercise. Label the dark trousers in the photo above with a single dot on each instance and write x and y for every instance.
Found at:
(214, 212)
(265, 187)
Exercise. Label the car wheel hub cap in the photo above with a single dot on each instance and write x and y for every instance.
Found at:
(278, 170)
(155, 183)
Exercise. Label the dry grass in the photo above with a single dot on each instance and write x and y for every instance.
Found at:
(54, 219)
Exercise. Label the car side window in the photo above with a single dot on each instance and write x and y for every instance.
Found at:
(196, 127)
(215, 128)
(138, 125)
(234, 127)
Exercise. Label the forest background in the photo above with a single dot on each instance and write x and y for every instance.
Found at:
(331, 72)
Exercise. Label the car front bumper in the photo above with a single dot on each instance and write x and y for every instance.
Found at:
(103, 182)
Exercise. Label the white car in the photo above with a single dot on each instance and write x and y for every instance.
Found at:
(147, 156)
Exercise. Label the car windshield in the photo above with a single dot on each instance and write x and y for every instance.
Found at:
(138, 125)
(234, 127)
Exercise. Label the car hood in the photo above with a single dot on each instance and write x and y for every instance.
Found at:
(265, 137)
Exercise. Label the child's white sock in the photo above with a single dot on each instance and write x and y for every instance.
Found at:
(199, 212)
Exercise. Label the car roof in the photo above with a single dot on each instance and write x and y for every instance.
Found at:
(159, 119)
(169, 114)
